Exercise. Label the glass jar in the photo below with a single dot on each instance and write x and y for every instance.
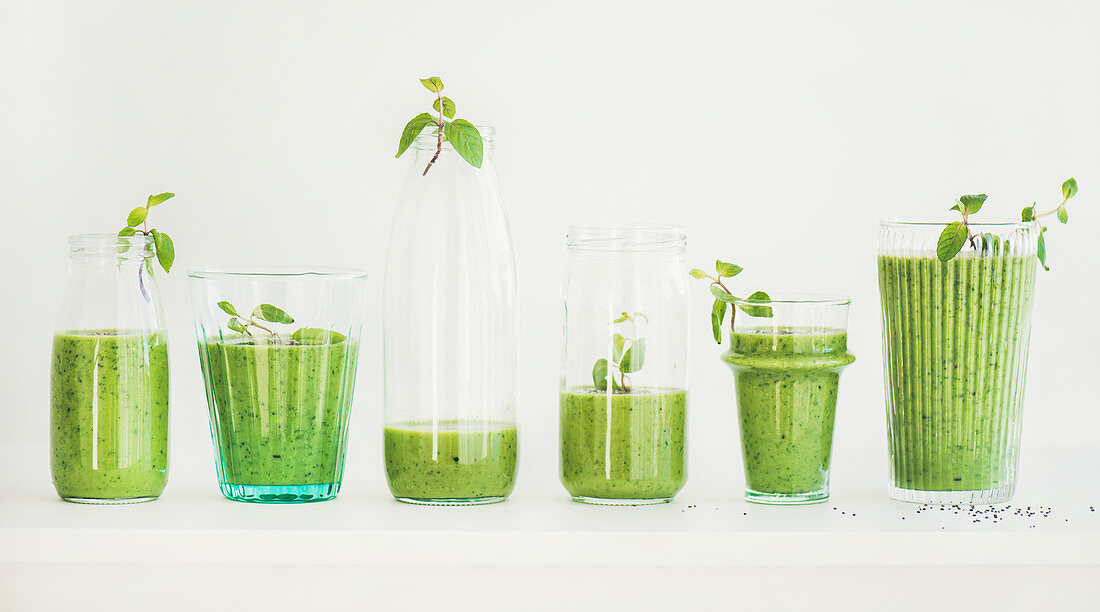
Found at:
(109, 377)
(955, 339)
(451, 343)
(623, 394)
(278, 350)
(786, 354)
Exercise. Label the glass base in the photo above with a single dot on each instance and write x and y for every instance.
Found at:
(606, 501)
(979, 496)
(280, 494)
(786, 499)
(118, 501)
(466, 501)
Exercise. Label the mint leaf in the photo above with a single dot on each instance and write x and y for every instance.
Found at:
(1027, 214)
(717, 316)
(158, 199)
(720, 293)
(448, 107)
(634, 357)
(272, 314)
(697, 273)
(466, 141)
(951, 241)
(412, 130)
(615, 385)
(972, 203)
(727, 269)
(126, 231)
(1042, 250)
(1069, 188)
(137, 216)
(315, 335)
(621, 318)
(1063, 215)
(757, 310)
(434, 84)
(227, 308)
(618, 343)
(237, 325)
(166, 250)
(599, 374)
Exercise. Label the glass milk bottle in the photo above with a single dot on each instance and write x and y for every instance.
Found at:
(623, 394)
(450, 333)
(109, 375)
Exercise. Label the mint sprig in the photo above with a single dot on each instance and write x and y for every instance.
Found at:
(723, 296)
(264, 312)
(957, 233)
(462, 134)
(162, 244)
(627, 356)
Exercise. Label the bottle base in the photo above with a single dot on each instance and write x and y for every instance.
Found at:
(978, 496)
(465, 501)
(786, 499)
(280, 494)
(115, 501)
(606, 501)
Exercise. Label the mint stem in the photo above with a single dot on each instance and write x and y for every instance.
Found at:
(439, 139)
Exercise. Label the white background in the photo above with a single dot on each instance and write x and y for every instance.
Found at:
(777, 133)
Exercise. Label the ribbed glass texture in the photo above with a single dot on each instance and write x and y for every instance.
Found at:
(279, 398)
(955, 342)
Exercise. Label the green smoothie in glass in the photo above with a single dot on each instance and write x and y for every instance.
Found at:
(444, 462)
(787, 381)
(109, 415)
(279, 414)
(623, 446)
(955, 337)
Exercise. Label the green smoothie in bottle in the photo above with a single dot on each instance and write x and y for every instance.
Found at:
(109, 415)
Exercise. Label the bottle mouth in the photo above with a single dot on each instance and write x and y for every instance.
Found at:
(277, 272)
(111, 246)
(429, 138)
(630, 238)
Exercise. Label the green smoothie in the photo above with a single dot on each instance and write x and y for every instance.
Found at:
(955, 338)
(623, 446)
(279, 415)
(450, 461)
(787, 380)
(109, 415)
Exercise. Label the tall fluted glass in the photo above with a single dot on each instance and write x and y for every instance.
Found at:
(955, 344)
(278, 350)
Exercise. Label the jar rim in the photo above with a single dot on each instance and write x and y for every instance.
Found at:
(628, 237)
(808, 299)
(277, 272)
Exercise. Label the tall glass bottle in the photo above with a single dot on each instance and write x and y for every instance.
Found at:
(109, 376)
(623, 395)
(450, 333)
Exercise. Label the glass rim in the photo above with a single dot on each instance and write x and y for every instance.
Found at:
(934, 223)
(807, 299)
(619, 237)
(277, 272)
